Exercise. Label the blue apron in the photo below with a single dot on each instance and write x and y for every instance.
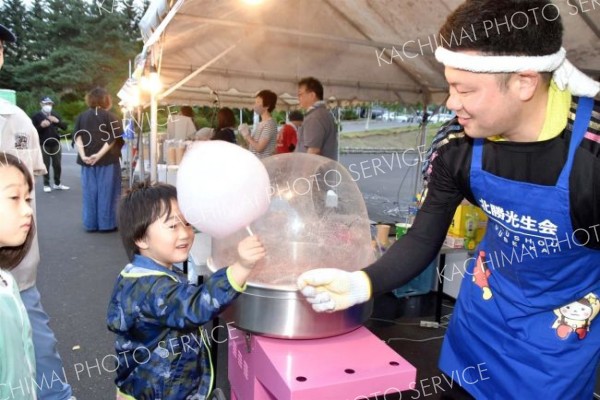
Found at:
(523, 324)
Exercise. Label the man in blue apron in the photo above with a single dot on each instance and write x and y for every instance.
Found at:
(525, 147)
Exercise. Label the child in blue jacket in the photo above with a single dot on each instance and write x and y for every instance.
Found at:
(154, 312)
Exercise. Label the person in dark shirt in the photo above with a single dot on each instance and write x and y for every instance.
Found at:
(47, 122)
(97, 132)
(225, 124)
(525, 147)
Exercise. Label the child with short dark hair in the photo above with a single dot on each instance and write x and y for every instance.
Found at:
(17, 360)
(155, 312)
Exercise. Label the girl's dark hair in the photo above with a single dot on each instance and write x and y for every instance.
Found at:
(269, 99)
(98, 98)
(10, 257)
(139, 208)
(187, 111)
(225, 118)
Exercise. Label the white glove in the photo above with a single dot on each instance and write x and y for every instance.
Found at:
(331, 289)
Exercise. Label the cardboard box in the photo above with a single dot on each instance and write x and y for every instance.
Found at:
(454, 241)
(458, 228)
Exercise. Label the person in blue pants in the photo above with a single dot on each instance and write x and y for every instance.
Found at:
(525, 147)
(98, 138)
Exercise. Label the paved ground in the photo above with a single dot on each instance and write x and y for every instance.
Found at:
(75, 278)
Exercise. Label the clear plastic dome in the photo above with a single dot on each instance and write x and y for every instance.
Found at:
(317, 219)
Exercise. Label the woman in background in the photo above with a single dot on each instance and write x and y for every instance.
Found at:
(181, 126)
(262, 141)
(96, 131)
(225, 124)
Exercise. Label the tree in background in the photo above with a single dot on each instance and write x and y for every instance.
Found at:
(14, 17)
(67, 47)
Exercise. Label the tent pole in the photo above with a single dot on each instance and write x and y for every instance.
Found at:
(130, 143)
(141, 149)
(155, 36)
(339, 129)
(421, 143)
(153, 137)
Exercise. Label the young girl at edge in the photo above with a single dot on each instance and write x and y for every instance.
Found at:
(17, 360)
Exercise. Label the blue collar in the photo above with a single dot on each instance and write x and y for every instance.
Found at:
(148, 263)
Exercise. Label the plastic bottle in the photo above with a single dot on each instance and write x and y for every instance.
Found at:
(471, 225)
(412, 211)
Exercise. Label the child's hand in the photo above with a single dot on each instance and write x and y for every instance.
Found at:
(250, 250)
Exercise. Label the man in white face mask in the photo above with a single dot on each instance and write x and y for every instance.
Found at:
(47, 123)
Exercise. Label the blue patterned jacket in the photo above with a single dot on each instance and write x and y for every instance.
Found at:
(155, 313)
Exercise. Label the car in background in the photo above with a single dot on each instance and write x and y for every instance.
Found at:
(376, 112)
(443, 117)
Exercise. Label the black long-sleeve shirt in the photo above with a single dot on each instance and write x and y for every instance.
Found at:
(450, 162)
(49, 132)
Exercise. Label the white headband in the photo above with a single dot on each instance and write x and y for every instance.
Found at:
(565, 74)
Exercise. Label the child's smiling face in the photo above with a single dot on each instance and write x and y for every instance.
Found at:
(15, 209)
(169, 239)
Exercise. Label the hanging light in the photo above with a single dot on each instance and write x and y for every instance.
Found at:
(151, 81)
(253, 2)
(130, 94)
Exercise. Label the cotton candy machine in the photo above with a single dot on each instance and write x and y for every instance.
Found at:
(317, 218)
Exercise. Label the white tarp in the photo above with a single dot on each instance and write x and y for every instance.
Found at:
(271, 45)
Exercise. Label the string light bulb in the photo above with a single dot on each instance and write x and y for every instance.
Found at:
(151, 81)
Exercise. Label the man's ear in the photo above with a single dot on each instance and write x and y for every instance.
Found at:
(528, 82)
(142, 243)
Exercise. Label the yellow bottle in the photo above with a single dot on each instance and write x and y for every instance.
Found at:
(471, 224)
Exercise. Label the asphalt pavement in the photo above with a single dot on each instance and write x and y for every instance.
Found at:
(75, 277)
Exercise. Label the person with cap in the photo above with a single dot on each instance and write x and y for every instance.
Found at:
(287, 138)
(318, 133)
(47, 122)
(19, 137)
(525, 147)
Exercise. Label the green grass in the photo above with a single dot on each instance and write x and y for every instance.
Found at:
(392, 138)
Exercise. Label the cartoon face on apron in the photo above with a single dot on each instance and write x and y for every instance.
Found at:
(527, 305)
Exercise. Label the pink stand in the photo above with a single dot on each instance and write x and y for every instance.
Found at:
(353, 366)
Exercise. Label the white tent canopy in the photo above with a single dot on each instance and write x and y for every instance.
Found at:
(235, 48)
(361, 50)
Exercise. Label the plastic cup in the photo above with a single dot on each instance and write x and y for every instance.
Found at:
(401, 229)
(179, 153)
(383, 232)
(171, 155)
